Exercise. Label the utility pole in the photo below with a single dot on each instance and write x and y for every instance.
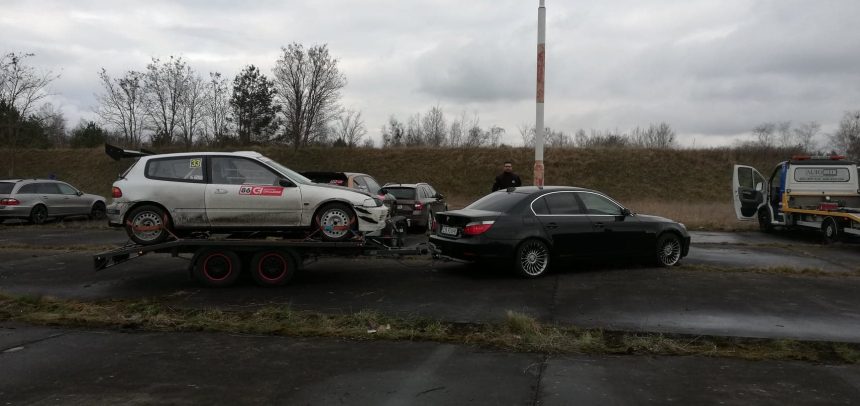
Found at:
(539, 126)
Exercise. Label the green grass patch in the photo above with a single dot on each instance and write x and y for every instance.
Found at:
(517, 332)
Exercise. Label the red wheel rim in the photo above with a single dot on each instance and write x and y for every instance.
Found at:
(208, 271)
(264, 269)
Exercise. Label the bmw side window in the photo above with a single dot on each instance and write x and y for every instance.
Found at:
(562, 204)
(539, 206)
(66, 189)
(180, 169)
(597, 204)
(239, 171)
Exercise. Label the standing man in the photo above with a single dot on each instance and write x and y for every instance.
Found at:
(507, 179)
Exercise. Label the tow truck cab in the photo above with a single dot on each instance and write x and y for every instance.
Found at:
(820, 192)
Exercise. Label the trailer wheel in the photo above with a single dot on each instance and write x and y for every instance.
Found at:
(216, 268)
(765, 224)
(272, 268)
(830, 230)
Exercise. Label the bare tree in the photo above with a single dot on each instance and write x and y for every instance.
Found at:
(558, 139)
(393, 133)
(764, 134)
(434, 126)
(53, 123)
(121, 105)
(805, 135)
(656, 136)
(349, 129)
(165, 83)
(414, 135)
(218, 106)
(22, 88)
(786, 136)
(527, 134)
(193, 102)
(847, 136)
(308, 86)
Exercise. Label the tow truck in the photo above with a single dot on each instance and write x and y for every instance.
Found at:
(810, 192)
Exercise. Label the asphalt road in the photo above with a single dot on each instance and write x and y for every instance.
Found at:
(82, 367)
(51, 366)
(692, 298)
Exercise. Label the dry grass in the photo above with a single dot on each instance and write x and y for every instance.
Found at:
(518, 332)
(718, 215)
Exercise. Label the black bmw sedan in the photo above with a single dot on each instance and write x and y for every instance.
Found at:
(529, 227)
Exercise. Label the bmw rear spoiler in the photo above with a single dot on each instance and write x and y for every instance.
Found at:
(118, 153)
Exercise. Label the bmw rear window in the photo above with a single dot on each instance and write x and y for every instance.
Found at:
(6, 188)
(498, 201)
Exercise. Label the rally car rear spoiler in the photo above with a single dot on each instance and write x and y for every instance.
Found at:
(118, 153)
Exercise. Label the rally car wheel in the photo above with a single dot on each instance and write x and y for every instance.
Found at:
(147, 225)
(335, 222)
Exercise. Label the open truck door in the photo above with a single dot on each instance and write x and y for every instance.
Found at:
(748, 187)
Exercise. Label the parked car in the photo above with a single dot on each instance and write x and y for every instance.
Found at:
(418, 202)
(37, 200)
(528, 227)
(239, 191)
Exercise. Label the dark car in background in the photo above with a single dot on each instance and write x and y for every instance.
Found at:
(37, 200)
(528, 227)
(418, 202)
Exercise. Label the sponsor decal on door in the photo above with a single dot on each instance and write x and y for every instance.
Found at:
(261, 190)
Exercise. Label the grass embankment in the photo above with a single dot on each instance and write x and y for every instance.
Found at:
(518, 332)
(691, 186)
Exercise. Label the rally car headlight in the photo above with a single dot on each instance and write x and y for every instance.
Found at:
(371, 202)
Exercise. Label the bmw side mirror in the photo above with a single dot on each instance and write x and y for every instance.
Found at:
(286, 183)
(626, 212)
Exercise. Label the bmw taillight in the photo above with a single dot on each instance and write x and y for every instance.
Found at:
(9, 202)
(116, 192)
(419, 206)
(478, 227)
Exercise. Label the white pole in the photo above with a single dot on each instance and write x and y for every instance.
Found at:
(539, 126)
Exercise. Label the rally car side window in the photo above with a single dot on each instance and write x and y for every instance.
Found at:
(241, 171)
(176, 169)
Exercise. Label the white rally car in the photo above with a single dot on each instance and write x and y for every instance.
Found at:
(166, 194)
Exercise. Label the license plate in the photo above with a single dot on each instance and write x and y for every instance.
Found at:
(447, 230)
(401, 206)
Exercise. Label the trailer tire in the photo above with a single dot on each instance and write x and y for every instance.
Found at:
(272, 268)
(830, 230)
(765, 223)
(216, 268)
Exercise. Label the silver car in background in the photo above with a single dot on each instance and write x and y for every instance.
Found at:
(37, 200)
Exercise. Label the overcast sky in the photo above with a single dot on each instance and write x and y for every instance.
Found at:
(712, 69)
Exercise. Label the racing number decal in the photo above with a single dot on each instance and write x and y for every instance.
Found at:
(261, 190)
(196, 162)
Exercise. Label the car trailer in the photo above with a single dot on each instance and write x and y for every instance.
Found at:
(218, 262)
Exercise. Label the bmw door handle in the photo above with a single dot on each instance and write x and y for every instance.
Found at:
(220, 191)
(552, 226)
(598, 225)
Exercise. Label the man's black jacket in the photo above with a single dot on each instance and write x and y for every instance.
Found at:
(506, 180)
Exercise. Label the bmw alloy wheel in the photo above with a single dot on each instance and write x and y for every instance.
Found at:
(533, 258)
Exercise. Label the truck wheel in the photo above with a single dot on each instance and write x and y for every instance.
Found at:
(272, 268)
(147, 225)
(668, 250)
(765, 224)
(830, 230)
(532, 258)
(216, 268)
(336, 222)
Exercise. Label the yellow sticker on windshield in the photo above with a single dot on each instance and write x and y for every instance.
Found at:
(196, 162)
